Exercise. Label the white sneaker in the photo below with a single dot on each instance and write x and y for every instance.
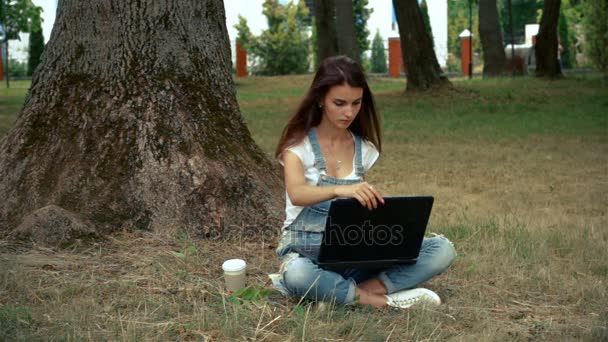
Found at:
(406, 298)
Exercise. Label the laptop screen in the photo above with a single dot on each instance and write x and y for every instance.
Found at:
(394, 230)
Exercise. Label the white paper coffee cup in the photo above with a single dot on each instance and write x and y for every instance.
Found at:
(235, 271)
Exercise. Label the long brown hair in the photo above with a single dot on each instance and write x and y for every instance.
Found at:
(335, 70)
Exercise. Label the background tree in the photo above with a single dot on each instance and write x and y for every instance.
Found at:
(325, 14)
(596, 33)
(18, 16)
(36, 46)
(362, 13)
(283, 48)
(423, 71)
(547, 64)
(138, 127)
(378, 58)
(313, 44)
(427, 20)
(341, 28)
(491, 39)
(345, 29)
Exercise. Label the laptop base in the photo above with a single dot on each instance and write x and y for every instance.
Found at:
(312, 253)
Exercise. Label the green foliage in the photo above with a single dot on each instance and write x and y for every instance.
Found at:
(19, 16)
(244, 35)
(427, 21)
(36, 48)
(284, 47)
(595, 24)
(453, 62)
(458, 21)
(564, 35)
(523, 12)
(366, 62)
(378, 59)
(17, 68)
(573, 14)
(362, 13)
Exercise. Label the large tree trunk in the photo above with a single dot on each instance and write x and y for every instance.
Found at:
(423, 71)
(491, 39)
(132, 122)
(325, 13)
(346, 31)
(547, 64)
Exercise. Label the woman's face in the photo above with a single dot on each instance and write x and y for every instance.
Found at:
(341, 105)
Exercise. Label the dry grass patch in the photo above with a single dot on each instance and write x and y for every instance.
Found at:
(518, 168)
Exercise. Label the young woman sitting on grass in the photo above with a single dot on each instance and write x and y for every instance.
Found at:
(327, 146)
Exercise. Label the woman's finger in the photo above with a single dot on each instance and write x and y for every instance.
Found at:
(376, 194)
(360, 199)
(369, 192)
(361, 192)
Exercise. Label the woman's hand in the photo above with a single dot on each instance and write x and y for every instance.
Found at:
(364, 192)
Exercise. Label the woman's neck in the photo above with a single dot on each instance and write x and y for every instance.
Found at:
(331, 133)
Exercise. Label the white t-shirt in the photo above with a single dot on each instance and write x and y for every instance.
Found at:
(369, 155)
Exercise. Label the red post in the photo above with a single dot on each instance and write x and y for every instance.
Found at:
(241, 61)
(395, 60)
(465, 51)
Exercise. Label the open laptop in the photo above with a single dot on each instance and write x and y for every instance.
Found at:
(357, 237)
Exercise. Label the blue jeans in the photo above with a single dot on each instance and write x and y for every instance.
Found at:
(303, 278)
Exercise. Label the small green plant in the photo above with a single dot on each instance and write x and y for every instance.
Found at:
(188, 251)
(252, 292)
(188, 248)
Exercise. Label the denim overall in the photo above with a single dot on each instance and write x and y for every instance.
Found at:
(302, 278)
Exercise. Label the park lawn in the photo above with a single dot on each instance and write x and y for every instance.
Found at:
(518, 168)
(11, 101)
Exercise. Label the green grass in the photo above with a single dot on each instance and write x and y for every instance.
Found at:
(16, 321)
(518, 169)
(500, 109)
(11, 102)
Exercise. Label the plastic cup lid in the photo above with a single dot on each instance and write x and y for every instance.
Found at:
(234, 265)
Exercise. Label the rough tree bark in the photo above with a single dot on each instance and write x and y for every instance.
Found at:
(346, 31)
(491, 39)
(325, 13)
(547, 64)
(132, 122)
(423, 71)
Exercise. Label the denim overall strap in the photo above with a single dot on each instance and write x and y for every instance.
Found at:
(314, 217)
(316, 149)
(359, 171)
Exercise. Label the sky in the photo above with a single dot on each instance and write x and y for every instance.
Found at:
(380, 19)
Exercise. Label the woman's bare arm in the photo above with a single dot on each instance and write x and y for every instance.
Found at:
(302, 194)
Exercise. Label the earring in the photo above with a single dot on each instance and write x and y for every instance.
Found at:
(320, 105)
